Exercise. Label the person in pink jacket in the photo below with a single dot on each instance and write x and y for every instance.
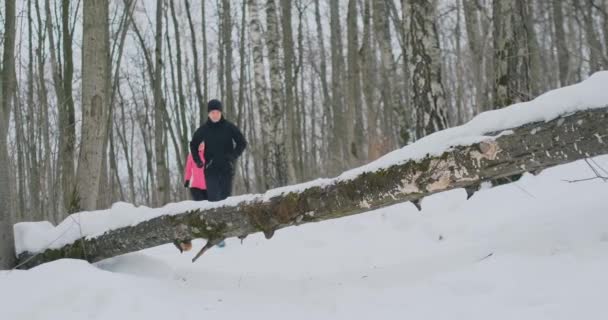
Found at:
(194, 177)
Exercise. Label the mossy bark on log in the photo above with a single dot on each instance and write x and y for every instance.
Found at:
(529, 148)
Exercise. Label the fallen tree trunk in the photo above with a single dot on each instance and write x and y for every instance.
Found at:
(529, 148)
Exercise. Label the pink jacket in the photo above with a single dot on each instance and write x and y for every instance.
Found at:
(194, 174)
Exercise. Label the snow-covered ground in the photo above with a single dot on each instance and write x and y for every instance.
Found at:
(535, 249)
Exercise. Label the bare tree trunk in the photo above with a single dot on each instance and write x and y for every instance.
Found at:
(460, 112)
(302, 135)
(354, 131)
(197, 77)
(290, 83)
(278, 138)
(242, 67)
(427, 86)
(7, 90)
(471, 16)
(33, 123)
(162, 172)
(387, 68)
(593, 44)
(49, 203)
(62, 81)
(604, 9)
(255, 34)
(563, 58)
(326, 103)
(336, 150)
(203, 107)
(95, 102)
(229, 107)
(375, 143)
(181, 107)
(530, 82)
(20, 141)
(505, 54)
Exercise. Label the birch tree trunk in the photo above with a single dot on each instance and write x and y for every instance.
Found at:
(427, 87)
(278, 137)
(255, 35)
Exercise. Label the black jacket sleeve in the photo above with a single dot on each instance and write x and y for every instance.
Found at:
(240, 141)
(197, 139)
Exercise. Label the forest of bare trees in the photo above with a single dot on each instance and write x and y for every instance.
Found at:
(100, 98)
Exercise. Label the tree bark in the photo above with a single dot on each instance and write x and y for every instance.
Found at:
(182, 123)
(427, 87)
(529, 148)
(339, 109)
(197, 77)
(387, 69)
(95, 103)
(505, 54)
(7, 90)
(229, 107)
(50, 193)
(471, 17)
(354, 134)
(203, 108)
(322, 72)
(290, 83)
(33, 124)
(563, 57)
(593, 43)
(255, 35)
(161, 194)
(67, 122)
(279, 160)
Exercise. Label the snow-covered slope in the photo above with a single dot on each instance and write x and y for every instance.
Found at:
(535, 249)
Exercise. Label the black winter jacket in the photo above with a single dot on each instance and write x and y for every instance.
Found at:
(224, 143)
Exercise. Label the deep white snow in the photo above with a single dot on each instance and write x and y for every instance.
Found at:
(535, 249)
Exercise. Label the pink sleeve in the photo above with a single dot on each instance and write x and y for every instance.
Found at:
(188, 168)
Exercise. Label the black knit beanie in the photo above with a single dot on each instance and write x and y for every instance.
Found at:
(214, 104)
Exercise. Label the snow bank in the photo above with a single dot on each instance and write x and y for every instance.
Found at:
(535, 249)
